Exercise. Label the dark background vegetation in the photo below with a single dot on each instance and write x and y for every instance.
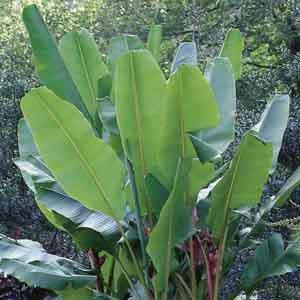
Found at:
(271, 64)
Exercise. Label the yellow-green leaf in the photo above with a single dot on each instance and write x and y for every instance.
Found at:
(86, 168)
(190, 106)
(139, 91)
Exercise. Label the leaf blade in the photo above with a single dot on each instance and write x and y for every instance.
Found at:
(80, 148)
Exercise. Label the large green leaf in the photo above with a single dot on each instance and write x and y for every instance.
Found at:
(139, 90)
(154, 40)
(84, 62)
(29, 262)
(212, 142)
(242, 183)
(190, 106)
(232, 48)
(186, 53)
(271, 259)
(273, 123)
(82, 164)
(173, 226)
(48, 61)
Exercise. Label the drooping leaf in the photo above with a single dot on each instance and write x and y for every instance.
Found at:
(273, 123)
(154, 41)
(87, 227)
(29, 262)
(271, 259)
(82, 164)
(173, 226)
(210, 143)
(190, 106)
(242, 183)
(84, 62)
(233, 47)
(186, 53)
(139, 90)
(48, 61)
(33, 172)
(121, 45)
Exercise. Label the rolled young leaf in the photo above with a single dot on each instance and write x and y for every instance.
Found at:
(154, 40)
(273, 122)
(233, 47)
(48, 61)
(242, 183)
(84, 62)
(82, 164)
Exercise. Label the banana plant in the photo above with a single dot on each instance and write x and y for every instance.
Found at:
(129, 164)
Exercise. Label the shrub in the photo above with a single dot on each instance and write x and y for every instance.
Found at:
(116, 156)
